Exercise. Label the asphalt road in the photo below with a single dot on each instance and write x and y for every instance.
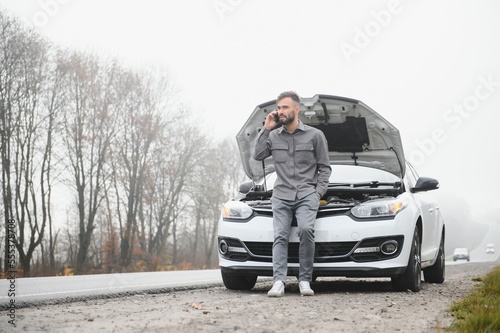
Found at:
(46, 289)
(339, 305)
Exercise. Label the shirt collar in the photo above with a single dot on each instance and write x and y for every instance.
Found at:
(299, 127)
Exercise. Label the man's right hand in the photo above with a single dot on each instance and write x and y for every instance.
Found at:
(270, 122)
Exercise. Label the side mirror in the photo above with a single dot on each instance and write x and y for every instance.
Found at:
(425, 184)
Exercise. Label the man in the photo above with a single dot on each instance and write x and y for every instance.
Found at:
(300, 154)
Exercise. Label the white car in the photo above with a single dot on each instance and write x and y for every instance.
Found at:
(376, 219)
(490, 248)
(461, 253)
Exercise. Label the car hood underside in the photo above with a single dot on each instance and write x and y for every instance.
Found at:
(356, 135)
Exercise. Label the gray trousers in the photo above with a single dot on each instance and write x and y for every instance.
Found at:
(305, 210)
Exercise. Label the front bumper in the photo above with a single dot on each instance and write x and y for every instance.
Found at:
(344, 247)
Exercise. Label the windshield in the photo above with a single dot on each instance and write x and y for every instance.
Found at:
(350, 174)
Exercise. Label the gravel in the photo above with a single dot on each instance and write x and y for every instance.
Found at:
(339, 305)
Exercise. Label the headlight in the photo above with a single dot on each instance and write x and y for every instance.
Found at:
(379, 208)
(236, 210)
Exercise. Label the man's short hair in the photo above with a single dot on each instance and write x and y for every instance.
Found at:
(292, 94)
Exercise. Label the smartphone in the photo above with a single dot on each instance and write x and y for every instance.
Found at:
(276, 118)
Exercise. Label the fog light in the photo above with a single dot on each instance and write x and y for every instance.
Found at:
(389, 247)
(223, 247)
(367, 249)
(236, 249)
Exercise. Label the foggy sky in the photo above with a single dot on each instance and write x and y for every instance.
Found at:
(430, 68)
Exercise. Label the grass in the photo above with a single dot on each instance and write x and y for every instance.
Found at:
(479, 311)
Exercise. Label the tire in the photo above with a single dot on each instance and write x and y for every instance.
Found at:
(238, 282)
(410, 279)
(436, 272)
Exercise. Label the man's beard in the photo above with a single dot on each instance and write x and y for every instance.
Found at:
(288, 120)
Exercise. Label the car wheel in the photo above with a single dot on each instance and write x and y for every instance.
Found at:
(435, 273)
(238, 282)
(410, 279)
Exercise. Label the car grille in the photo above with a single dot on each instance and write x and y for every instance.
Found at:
(324, 252)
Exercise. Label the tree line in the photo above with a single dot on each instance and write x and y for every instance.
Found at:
(103, 168)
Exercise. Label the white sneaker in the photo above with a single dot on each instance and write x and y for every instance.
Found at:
(277, 290)
(305, 289)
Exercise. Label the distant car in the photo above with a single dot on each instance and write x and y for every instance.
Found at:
(490, 248)
(461, 253)
(376, 219)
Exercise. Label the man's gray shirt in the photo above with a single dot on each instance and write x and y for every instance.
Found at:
(300, 158)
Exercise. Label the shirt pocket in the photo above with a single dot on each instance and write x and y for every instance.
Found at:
(280, 153)
(304, 154)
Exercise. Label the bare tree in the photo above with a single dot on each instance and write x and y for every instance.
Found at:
(141, 123)
(110, 247)
(89, 125)
(54, 101)
(28, 129)
(176, 161)
(216, 182)
(9, 68)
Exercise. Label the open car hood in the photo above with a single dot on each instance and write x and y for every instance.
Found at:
(356, 135)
